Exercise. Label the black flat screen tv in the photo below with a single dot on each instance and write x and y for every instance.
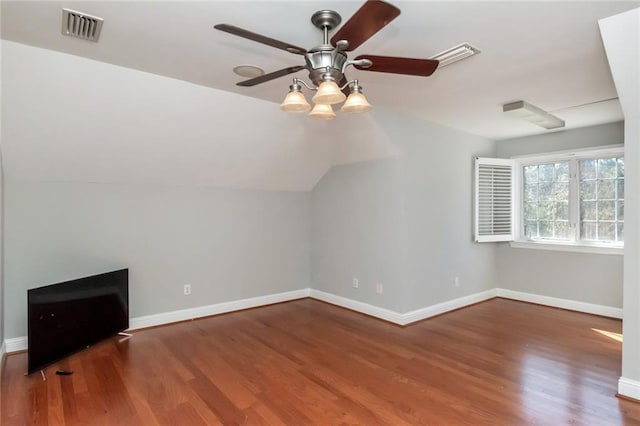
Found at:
(69, 316)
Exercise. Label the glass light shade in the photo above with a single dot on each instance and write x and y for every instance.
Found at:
(295, 102)
(322, 112)
(356, 102)
(328, 93)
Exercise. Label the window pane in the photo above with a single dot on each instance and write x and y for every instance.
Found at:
(531, 174)
(530, 211)
(606, 210)
(588, 231)
(587, 169)
(620, 167)
(562, 230)
(561, 191)
(620, 193)
(531, 229)
(546, 200)
(562, 211)
(607, 168)
(606, 231)
(602, 199)
(531, 192)
(545, 229)
(545, 172)
(606, 189)
(588, 210)
(620, 215)
(588, 190)
(545, 191)
(562, 172)
(545, 210)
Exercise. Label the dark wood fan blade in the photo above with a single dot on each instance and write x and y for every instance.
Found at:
(368, 20)
(271, 76)
(408, 66)
(261, 39)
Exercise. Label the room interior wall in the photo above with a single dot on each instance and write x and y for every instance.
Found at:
(585, 277)
(404, 221)
(108, 167)
(396, 210)
(622, 44)
(227, 244)
(72, 119)
(2, 204)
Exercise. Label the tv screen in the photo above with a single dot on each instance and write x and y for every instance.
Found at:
(69, 316)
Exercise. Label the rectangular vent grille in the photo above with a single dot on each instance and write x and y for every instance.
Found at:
(80, 25)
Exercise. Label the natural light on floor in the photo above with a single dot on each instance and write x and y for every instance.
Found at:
(615, 336)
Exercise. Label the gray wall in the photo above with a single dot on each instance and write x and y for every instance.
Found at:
(591, 278)
(1, 253)
(228, 244)
(404, 221)
(620, 37)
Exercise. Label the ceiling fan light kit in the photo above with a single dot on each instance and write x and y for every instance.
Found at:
(356, 102)
(322, 112)
(533, 114)
(328, 93)
(327, 62)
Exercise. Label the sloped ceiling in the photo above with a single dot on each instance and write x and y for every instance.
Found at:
(66, 116)
(548, 53)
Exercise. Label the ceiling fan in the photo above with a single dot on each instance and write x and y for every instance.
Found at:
(327, 62)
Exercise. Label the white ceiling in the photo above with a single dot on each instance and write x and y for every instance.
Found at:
(547, 53)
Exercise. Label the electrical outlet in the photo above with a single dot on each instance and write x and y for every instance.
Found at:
(456, 281)
(379, 288)
(355, 283)
(187, 289)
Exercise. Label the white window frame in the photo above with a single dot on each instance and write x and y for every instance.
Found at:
(574, 213)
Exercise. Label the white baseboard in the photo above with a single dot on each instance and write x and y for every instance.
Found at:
(629, 388)
(354, 305)
(3, 350)
(15, 344)
(215, 309)
(20, 343)
(449, 305)
(572, 305)
(408, 317)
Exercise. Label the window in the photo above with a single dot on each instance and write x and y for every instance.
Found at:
(566, 200)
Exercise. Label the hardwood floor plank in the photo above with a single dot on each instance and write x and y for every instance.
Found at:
(307, 362)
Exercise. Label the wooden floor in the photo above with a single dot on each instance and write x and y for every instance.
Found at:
(499, 362)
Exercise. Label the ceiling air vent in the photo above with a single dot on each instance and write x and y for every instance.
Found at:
(80, 25)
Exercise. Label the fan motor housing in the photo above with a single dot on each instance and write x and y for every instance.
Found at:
(325, 61)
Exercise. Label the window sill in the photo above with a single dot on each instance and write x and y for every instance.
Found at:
(576, 248)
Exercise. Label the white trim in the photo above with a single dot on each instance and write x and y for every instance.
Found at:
(629, 388)
(3, 350)
(575, 248)
(15, 344)
(354, 305)
(449, 305)
(20, 343)
(571, 305)
(215, 309)
(573, 153)
(407, 317)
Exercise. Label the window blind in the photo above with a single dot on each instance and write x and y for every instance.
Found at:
(493, 199)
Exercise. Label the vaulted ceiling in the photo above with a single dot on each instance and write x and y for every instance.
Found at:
(547, 53)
